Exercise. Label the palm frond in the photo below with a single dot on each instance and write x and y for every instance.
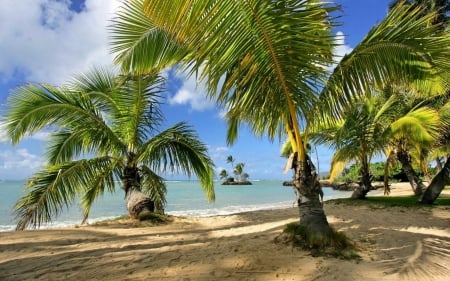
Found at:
(337, 166)
(404, 48)
(155, 187)
(104, 178)
(140, 46)
(55, 187)
(259, 54)
(138, 102)
(421, 125)
(178, 149)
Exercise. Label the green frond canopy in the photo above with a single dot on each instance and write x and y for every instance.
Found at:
(110, 122)
(404, 48)
(252, 54)
(56, 186)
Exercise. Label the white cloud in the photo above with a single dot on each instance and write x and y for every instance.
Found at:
(192, 93)
(340, 50)
(46, 42)
(21, 160)
(42, 136)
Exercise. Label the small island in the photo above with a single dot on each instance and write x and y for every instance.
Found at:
(241, 178)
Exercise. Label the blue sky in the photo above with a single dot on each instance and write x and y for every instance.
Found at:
(52, 40)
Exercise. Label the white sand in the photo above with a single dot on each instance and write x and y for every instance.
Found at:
(395, 244)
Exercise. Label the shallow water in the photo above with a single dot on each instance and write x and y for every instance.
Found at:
(184, 198)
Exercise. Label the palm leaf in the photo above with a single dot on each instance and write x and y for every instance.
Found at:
(178, 150)
(155, 187)
(139, 45)
(56, 186)
(267, 55)
(404, 48)
(421, 125)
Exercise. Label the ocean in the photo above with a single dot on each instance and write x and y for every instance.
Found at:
(184, 198)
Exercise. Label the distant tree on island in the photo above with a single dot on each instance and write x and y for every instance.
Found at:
(223, 174)
(241, 178)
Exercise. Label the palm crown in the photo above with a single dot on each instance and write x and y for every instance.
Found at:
(106, 126)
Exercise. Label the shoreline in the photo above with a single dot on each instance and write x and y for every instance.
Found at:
(207, 211)
(395, 243)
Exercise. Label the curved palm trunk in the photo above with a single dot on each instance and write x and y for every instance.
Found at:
(310, 200)
(138, 203)
(416, 184)
(365, 185)
(437, 185)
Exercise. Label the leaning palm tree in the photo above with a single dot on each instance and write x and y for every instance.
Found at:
(104, 128)
(223, 174)
(359, 136)
(442, 147)
(265, 61)
(374, 125)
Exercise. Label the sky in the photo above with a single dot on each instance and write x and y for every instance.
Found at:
(50, 41)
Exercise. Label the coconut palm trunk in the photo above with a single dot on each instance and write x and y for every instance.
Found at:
(416, 184)
(365, 183)
(437, 184)
(310, 200)
(137, 202)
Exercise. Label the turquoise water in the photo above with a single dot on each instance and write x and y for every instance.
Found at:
(184, 198)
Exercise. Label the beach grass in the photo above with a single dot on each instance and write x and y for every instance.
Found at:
(336, 245)
(125, 221)
(392, 201)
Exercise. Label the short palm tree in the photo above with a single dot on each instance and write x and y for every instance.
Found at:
(266, 62)
(104, 128)
(359, 136)
(375, 125)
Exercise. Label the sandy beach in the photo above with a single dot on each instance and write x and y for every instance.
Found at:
(394, 243)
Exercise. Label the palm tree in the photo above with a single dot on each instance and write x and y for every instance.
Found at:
(223, 174)
(375, 124)
(266, 62)
(442, 147)
(239, 170)
(104, 128)
(359, 136)
(230, 160)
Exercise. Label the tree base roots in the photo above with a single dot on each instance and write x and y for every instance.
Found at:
(335, 244)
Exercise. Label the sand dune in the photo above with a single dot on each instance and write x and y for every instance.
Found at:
(395, 244)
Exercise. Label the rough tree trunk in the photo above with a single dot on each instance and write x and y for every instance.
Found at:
(310, 201)
(365, 185)
(138, 203)
(416, 184)
(437, 185)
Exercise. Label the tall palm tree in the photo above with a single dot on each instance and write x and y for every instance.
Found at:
(266, 62)
(105, 128)
(239, 170)
(230, 160)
